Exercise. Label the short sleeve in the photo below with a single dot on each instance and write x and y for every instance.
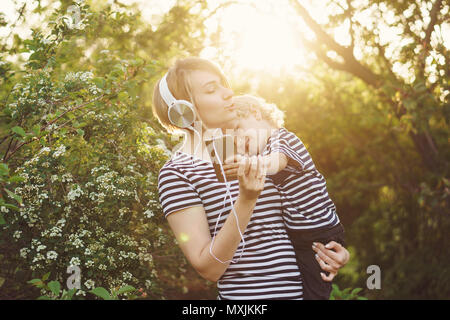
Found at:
(176, 192)
(289, 144)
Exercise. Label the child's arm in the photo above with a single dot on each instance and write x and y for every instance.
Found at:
(275, 162)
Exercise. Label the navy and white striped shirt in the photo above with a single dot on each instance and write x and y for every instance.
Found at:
(303, 189)
(267, 268)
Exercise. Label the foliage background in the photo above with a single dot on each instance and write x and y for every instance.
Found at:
(81, 150)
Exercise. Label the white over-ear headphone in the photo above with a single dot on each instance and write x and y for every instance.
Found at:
(181, 112)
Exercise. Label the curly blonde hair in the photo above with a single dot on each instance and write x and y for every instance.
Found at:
(258, 107)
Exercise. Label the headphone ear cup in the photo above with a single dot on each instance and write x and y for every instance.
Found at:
(181, 114)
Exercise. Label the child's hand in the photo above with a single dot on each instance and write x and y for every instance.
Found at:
(231, 166)
(331, 258)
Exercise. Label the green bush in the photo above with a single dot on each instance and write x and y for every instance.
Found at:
(81, 160)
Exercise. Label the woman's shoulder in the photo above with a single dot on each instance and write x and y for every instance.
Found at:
(180, 163)
(174, 163)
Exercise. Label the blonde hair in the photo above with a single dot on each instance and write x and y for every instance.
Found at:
(178, 81)
(258, 107)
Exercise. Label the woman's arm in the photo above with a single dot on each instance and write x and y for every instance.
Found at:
(192, 232)
(190, 225)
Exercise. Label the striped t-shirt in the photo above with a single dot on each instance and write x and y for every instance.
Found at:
(306, 202)
(267, 268)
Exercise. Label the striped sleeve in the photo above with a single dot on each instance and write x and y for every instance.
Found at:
(175, 191)
(289, 144)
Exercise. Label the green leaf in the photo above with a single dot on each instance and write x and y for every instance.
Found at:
(16, 178)
(4, 170)
(125, 289)
(123, 96)
(335, 287)
(11, 206)
(99, 82)
(14, 196)
(2, 220)
(69, 294)
(37, 282)
(34, 281)
(80, 132)
(55, 287)
(346, 291)
(45, 277)
(101, 292)
(356, 291)
(44, 298)
(19, 131)
(36, 130)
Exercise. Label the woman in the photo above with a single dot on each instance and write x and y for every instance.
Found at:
(193, 201)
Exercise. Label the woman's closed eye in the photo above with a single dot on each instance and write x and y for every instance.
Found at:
(211, 88)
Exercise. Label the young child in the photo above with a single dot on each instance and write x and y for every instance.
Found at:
(309, 214)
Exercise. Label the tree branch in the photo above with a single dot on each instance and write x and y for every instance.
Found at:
(350, 65)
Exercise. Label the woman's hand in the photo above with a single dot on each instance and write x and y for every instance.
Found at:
(252, 177)
(331, 258)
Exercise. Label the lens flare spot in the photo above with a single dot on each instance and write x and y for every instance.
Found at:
(184, 237)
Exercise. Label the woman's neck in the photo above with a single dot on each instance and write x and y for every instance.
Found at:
(194, 145)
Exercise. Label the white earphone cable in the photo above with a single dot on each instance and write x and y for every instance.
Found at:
(228, 194)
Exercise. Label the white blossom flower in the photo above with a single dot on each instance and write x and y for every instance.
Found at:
(67, 177)
(80, 293)
(89, 284)
(24, 252)
(148, 213)
(127, 275)
(59, 151)
(78, 243)
(38, 257)
(17, 234)
(74, 193)
(75, 261)
(44, 150)
(52, 255)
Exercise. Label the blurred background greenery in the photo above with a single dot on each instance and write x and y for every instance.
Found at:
(364, 84)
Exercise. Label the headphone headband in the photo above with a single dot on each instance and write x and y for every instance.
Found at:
(181, 112)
